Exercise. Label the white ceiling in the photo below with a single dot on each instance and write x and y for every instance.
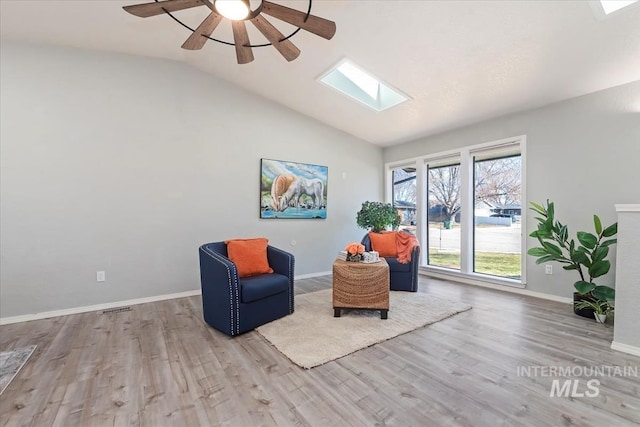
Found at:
(461, 61)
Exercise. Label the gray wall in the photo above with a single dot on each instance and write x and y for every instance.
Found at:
(127, 164)
(582, 153)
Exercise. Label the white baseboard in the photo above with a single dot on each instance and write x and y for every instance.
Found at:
(310, 275)
(505, 288)
(116, 304)
(625, 348)
(97, 307)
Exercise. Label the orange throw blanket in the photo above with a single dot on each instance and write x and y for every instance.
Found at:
(405, 242)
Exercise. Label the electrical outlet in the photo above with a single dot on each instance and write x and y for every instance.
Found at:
(548, 269)
(100, 276)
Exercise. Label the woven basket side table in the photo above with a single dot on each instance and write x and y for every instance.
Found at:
(360, 285)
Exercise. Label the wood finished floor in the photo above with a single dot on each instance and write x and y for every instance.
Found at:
(160, 364)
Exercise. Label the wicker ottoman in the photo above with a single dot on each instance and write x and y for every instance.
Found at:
(362, 286)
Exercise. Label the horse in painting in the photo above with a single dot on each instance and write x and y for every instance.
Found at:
(300, 186)
(279, 187)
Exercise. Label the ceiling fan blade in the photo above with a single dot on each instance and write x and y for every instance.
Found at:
(241, 39)
(146, 10)
(318, 26)
(285, 47)
(199, 37)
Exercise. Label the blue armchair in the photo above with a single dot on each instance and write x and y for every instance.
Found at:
(402, 277)
(233, 304)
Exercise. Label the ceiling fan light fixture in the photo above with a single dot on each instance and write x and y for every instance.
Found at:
(239, 12)
(235, 10)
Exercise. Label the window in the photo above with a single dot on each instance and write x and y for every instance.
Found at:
(443, 216)
(404, 196)
(465, 207)
(610, 6)
(604, 9)
(353, 81)
(497, 213)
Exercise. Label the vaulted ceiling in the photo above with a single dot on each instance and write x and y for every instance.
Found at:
(460, 61)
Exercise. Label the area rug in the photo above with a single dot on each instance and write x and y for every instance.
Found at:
(11, 362)
(311, 336)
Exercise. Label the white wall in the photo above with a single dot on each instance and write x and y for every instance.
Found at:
(128, 164)
(582, 153)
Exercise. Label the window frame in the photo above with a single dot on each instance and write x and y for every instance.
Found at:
(466, 157)
(486, 158)
(439, 163)
(393, 185)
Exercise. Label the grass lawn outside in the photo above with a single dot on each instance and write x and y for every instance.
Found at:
(494, 263)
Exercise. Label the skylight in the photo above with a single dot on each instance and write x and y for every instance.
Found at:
(610, 6)
(353, 81)
(360, 78)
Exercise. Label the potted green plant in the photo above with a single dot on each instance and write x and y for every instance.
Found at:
(587, 256)
(378, 216)
(601, 309)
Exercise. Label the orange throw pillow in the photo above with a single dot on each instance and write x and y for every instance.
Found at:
(384, 243)
(249, 255)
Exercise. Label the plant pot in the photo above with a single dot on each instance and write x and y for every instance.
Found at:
(600, 318)
(584, 312)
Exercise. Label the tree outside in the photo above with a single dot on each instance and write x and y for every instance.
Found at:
(497, 183)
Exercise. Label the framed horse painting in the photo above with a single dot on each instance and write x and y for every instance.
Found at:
(293, 190)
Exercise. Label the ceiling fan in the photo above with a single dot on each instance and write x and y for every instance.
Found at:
(238, 12)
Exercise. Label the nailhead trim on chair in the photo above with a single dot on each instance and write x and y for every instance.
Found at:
(291, 265)
(234, 274)
(233, 290)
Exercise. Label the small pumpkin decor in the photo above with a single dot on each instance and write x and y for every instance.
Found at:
(355, 252)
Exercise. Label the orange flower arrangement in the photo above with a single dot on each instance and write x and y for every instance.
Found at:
(354, 251)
